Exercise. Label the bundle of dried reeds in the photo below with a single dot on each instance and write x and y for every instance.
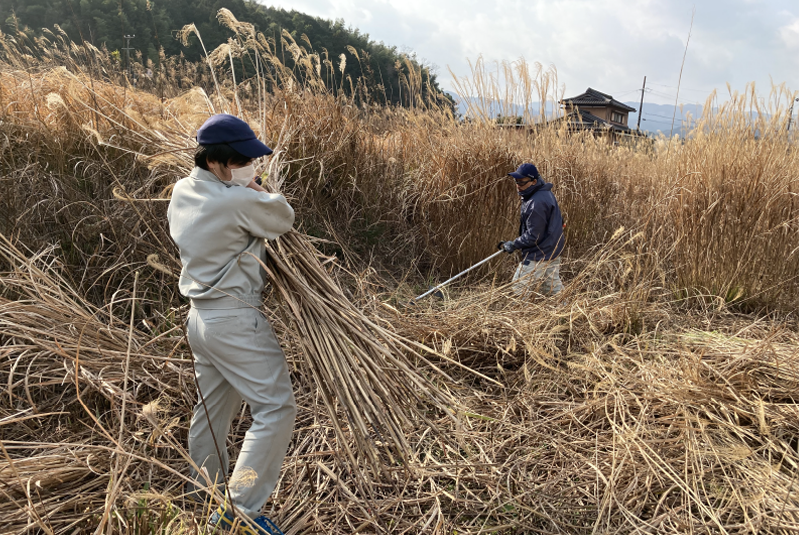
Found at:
(357, 364)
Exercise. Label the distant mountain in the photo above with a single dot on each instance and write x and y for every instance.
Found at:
(656, 118)
(496, 108)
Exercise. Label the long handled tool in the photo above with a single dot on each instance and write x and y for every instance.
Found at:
(467, 270)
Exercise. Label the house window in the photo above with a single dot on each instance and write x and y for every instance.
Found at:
(617, 117)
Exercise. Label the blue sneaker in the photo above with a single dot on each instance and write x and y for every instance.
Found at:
(222, 518)
(266, 527)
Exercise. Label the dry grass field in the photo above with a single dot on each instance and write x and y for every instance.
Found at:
(658, 396)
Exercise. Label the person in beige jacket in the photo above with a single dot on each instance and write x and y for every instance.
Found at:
(219, 218)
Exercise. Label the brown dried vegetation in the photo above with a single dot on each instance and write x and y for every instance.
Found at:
(659, 399)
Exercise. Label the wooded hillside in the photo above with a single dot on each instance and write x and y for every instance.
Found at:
(155, 23)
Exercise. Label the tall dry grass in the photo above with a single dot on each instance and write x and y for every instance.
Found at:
(719, 208)
(647, 404)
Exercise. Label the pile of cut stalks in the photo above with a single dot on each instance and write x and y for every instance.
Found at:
(688, 430)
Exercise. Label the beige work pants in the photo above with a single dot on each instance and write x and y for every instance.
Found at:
(540, 277)
(237, 356)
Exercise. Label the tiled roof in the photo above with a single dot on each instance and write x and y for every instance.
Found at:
(592, 97)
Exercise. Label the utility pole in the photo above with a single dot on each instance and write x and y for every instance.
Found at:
(127, 50)
(641, 107)
(790, 113)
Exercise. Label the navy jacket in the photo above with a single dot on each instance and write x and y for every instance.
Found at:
(541, 231)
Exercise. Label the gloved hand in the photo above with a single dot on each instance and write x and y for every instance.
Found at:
(506, 246)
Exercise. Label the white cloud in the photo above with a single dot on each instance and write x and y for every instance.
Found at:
(790, 35)
(609, 45)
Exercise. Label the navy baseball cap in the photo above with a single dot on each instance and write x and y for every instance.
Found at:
(525, 170)
(231, 130)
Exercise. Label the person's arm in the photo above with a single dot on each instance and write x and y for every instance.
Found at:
(256, 186)
(267, 215)
(536, 226)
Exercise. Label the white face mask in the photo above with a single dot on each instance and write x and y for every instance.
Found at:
(242, 176)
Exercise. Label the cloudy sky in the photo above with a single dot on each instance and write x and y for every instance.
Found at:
(609, 44)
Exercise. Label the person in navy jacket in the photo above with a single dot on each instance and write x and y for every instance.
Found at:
(541, 238)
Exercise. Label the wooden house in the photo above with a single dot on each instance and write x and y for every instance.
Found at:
(598, 112)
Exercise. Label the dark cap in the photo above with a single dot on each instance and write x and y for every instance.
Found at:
(525, 170)
(230, 130)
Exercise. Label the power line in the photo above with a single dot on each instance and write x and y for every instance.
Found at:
(660, 94)
(618, 94)
(705, 91)
(661, 116)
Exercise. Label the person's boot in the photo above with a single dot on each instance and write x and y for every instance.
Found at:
(223, 519)
(265, 526)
